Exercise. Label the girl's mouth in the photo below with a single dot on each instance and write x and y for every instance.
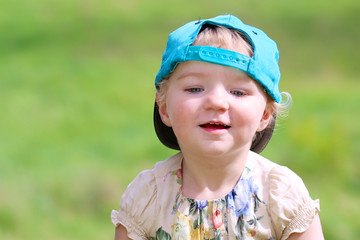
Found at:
(214, 126)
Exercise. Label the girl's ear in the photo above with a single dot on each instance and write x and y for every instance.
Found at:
(162, 107)
(266, 118)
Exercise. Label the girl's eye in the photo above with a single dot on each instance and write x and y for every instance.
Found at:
(238, 92)
(194, 90)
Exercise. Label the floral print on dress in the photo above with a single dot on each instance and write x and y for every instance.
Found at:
(210, 219)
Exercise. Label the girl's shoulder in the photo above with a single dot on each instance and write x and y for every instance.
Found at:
(146, 184)
(257, 161)
(271, 172)
(276, 180)
(173, 163)
(142, 199)
(147, 181)
(288, 201)
(137, 202)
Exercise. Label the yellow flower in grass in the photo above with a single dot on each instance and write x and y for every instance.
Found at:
(182, 228)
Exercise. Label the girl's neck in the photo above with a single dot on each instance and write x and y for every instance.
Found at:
(211, 178)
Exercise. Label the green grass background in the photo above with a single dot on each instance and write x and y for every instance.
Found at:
(76, 101)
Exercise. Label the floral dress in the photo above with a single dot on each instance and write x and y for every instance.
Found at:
(268, 202)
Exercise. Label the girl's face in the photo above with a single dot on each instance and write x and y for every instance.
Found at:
(214, 110)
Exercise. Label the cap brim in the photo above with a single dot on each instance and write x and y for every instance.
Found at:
(262, 138)
(165, 134)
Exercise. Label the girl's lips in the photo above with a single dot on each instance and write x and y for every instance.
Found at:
(215, 126)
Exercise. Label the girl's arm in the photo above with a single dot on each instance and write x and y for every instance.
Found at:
(121, 233)
(314, 232)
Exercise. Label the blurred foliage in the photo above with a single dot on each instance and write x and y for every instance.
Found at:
(77, 94)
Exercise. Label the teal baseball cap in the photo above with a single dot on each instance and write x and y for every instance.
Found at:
(262, 66)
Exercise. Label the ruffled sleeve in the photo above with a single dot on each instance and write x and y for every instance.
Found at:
(137, 206)
(290, 205)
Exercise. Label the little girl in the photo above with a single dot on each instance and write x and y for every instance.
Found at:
(216, 101)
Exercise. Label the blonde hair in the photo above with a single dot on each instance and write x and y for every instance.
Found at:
(234, 40)
(222, 37)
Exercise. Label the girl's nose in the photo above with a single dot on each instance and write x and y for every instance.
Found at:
(216, 100)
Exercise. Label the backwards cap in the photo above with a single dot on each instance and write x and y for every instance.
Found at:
(262, 66)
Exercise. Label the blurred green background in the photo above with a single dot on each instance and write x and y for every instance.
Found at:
(76, 102)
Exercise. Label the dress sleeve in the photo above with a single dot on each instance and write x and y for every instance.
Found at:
(290, 205)
(137, 206)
